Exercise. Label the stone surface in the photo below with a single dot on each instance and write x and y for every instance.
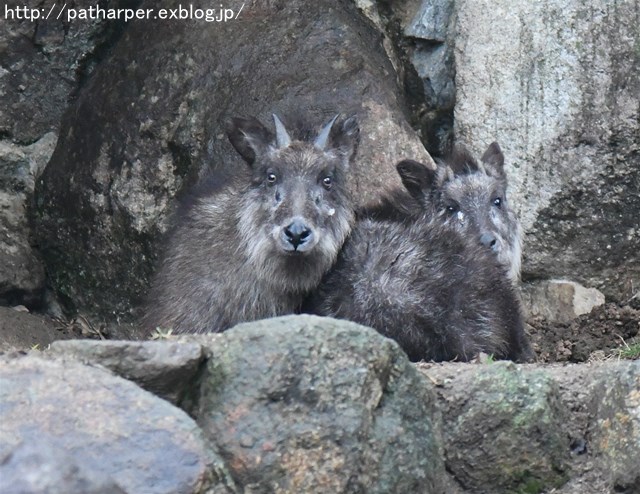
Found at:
(165, 368)
(555, 83)
(504, 428)
(105, 424)
(307, 404)
(43, 468)
(151, 120)
(42, 63)
(594, 421)
(423, 37)
(616, 428)
(559, 300)
(22, 275)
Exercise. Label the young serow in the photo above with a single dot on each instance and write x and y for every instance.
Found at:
(439, 293)
(471, 198)
(474, 194)
(255, 249)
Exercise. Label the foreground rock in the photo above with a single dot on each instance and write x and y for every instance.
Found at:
(555, 83)
(504, 428)
(569, 429)
(167, 369)
(106, 194)
(110, 429)
(42, 467)
(307, 404)
(616, 431)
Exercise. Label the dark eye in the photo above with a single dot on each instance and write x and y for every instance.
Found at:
(327, 182)
(452, 208)
(497, 202)
(271, 178)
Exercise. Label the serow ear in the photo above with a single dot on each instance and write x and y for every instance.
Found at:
(342, 137)
(417, 178)
(493, 159)
(249, 137)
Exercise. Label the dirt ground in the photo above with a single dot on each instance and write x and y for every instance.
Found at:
(21, 330)
(604, 333)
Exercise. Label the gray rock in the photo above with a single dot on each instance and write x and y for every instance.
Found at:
(22, 273)
(555, 83)
(422, 35)
(167, 369)
(42, 63)
(504, 427)
(430, 20)
(559, 300)
(41, 468)
(106, 425)
(308, 404)
(108, 190)
(616, 427)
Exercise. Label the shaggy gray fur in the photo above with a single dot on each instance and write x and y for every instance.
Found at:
(438, 292)
(470, 197)
(254, 249)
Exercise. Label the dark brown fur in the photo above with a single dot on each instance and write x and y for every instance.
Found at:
(254, 249)
(468, 196)
(439, 293)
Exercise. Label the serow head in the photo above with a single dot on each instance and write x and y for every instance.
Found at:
(297, 203)
(472, 198)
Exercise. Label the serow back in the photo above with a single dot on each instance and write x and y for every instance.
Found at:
(438, 292)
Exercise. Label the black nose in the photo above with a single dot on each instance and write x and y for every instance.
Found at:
(488, 240)
(297, 234)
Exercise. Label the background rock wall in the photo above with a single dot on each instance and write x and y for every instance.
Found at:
(151, 120)
(42, 64)
(554, 82)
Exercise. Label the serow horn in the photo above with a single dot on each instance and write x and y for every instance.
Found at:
(282, 137)
(323, 136)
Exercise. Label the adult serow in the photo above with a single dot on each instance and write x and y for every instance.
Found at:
(256, 247)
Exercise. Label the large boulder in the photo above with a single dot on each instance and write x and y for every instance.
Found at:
(504, 427)
(308, 404)
(104, 424)
(616, 427)
(151, 121)
(42, 63)
(556, 84)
